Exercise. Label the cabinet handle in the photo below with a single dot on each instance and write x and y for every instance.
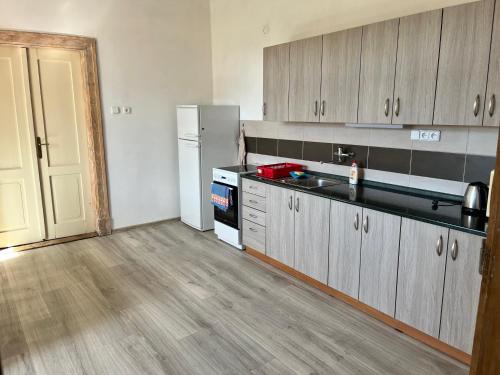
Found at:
(454, 250)
(491, 105)
(365, 224)
(253, 187)
(290, 203)
(264, 109)
(386, 107)
(477, 101)
(356, 222)
(396, 107)
(439, 246)
(323, 103)
(315, 108)
(297, 204)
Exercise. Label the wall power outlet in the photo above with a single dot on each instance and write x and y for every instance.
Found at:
(426, 135)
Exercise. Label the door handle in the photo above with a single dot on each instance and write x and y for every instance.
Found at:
(365, 224)
(439, 246)
(454, 250)
(297, 204)
(39, 145)
(290, 203)
(315, 108)
(396, 107)
(264, 109)
(491, 105)
(475, 108)
(322, 108)
(386, 107)
(356, 222)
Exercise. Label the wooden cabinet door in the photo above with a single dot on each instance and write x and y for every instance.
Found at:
(305, 79)
(379, 260)
(378, 65)
(276, 82)
(312, 218)
(345, 248)
(492, 110)
(422, 262)
(461, 290)
(463, 64)
(340, 76)
(280, 225)
(416, 70)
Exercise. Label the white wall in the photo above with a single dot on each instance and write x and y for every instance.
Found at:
(152, 54)
(242, 28)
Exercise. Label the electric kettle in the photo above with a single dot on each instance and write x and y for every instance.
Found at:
(476, 197)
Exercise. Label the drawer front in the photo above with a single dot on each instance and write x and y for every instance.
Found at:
(254, 187)
(254, 235)
(254, 201)
(253, 215)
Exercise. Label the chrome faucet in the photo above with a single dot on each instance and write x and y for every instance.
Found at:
(341, 155)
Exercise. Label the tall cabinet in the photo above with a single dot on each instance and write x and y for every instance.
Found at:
(491, 111)
(463, 64)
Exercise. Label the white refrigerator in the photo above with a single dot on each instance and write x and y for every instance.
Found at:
(207, 138)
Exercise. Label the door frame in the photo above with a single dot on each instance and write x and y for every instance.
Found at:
(93, 112)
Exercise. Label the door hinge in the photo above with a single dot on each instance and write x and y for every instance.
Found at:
(483, 259)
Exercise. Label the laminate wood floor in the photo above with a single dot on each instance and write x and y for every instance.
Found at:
(165, 299)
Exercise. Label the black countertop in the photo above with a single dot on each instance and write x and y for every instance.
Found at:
(402, 201)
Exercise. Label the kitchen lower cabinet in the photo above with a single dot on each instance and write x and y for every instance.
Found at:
(379, 260)
(312, 218)
(280, 225)
(422, 262)
(461, 290)
(345, 248)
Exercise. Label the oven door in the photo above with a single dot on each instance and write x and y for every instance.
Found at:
(229, 217)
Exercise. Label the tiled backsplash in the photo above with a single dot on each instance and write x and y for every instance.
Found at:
(463, 155)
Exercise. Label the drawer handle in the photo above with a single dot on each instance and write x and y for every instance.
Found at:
(253, 215)
(439, 246)
(253, 201)
(253, 187)
(454, 250)
(253, 229)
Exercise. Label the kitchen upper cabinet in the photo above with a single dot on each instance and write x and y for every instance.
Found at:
(492, 112)
(276, 82)
(422, 262)
(280, 225)
(305, 79)
(461, 290)
(416, 70)
(312, 218)
(340, 76)
(345, 247)
(463, 64)
(378, 65)
(379, 260)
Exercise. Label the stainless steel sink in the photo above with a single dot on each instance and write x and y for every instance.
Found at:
(311, 182)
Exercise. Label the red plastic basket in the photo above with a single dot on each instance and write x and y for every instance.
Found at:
(279, 170)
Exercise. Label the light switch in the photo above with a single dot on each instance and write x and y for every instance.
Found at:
(115, 110)
(127, 110)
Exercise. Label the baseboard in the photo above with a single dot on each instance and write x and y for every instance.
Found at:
(124, 229)
(387, 319)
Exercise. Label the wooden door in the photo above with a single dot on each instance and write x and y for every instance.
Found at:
(422, 262)
(492, 99)
(379, 260)
(378, 66)
(276, 82)
(58, 101)
(345, 248)
(21, 212)
(461, 290)
(463, 64)
(312, 225)
(416, 70)
(340, 76)
(305, 79)
(280, 224)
